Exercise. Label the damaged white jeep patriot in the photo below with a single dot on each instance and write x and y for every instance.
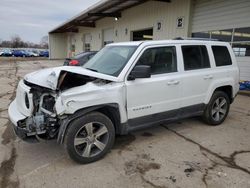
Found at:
(126, 86)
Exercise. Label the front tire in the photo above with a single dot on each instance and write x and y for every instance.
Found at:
(89, 137)
(217, 109)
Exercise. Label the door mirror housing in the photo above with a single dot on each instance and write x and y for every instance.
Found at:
(140, 71)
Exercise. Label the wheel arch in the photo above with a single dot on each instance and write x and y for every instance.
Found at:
(110, 110)
(228, 89)
(226, 85)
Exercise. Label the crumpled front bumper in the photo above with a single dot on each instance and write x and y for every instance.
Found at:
(15, 117)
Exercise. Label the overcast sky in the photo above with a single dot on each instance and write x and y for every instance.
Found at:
(32, 19)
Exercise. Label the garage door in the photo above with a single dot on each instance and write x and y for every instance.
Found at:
(108, 36)
(226, 20)
(220, 14)
(87, 42)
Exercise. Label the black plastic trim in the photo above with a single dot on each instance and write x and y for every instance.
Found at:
(22, 134)
(164, 117)
(136, 123)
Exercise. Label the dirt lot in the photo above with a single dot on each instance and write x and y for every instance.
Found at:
(184, 154)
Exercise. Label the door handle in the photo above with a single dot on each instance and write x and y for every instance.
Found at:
(173, 82)
(207, 77)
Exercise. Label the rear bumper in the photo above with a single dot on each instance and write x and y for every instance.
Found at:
(15, 116)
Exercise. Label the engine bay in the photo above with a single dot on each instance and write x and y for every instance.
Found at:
(44, 122)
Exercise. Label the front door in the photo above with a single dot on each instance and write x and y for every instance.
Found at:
(155, 98)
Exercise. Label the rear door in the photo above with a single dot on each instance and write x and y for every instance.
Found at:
(225, 65)
(196, 77)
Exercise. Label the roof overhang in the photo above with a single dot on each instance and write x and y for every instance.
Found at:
(104, 8)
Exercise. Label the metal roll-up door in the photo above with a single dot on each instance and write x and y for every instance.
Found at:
(225, 20)
(108, 36)
(220, 14)
(87, 42)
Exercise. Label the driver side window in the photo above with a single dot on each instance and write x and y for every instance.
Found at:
(160, 59)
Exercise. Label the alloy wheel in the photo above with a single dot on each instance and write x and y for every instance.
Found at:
(219, 109)
(91, 139)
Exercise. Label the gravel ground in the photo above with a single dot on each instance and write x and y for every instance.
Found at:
(187, 153)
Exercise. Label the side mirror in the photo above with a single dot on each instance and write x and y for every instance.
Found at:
(140, 71)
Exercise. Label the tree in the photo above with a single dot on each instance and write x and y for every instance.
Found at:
(6, 44)
(16, 41)
(44, 42)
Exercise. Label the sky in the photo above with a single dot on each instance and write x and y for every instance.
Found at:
(33, 19)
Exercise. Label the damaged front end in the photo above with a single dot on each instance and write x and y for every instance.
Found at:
(42, 121)
(36, 104)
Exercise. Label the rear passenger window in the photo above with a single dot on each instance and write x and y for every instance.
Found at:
(221, 56)
(195, 57)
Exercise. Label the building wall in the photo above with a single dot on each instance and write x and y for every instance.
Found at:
(199, 16)
(148, 14)
(244, 65)
(137, 18)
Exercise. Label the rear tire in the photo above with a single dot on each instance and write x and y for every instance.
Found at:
(217, 109)
(89, 137)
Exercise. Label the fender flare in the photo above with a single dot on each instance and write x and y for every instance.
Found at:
(65, 122)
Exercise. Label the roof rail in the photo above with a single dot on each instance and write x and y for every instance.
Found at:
(205, 39)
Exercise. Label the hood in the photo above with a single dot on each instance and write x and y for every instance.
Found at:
(49, 77)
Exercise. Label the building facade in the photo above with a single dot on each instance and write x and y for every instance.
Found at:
(119, 20)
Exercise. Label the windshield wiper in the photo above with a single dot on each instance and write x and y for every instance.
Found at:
(92, 69)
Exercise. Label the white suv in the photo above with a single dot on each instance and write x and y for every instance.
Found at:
(126, 86)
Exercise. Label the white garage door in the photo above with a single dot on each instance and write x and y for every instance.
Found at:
(87, 42)
(108, 36)
(226, 20)
(220, 14)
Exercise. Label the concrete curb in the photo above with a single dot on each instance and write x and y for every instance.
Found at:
(245, 93)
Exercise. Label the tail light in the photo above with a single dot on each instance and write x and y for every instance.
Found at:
(73, 62)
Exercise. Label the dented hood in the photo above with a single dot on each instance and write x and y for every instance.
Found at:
(49, 77)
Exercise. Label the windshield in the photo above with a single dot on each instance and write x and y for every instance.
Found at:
(110, 60)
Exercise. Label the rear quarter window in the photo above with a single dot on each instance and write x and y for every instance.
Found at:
(222, 56)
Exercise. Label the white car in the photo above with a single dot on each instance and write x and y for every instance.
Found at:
(124, 87)
(32, 54)
(6, 53)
